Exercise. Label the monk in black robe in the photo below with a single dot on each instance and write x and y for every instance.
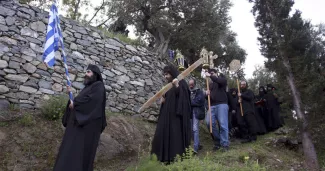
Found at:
(273, 121)
(84, 120)
(232, 117)
(173, 132)
(260, 111)
(247, 99)
(278, 105)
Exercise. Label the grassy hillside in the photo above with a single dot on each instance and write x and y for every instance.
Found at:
(263, 154)
(29, 141)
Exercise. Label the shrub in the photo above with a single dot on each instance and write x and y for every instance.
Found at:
(13, 107)
(193, 163)
(27, 120)
(54, 108)
(124, 38)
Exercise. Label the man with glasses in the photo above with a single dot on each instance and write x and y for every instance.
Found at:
(84, 120)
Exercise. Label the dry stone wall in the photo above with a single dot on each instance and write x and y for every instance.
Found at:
(131, 74)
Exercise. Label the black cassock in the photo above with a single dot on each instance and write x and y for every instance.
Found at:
(249, 112)
(173, 131)
(260, 113)
(84, 124)
(273, 117)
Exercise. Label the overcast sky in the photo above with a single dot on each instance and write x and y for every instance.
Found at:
(243, 25)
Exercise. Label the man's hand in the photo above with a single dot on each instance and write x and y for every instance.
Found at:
(239, 94)
(207, 74)
(162, 100)
(175, 82)
(207, 92)
(275, 95)
(239, 100)
(71, 106)
(68, 89)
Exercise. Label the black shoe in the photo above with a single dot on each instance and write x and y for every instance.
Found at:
(249, 139)
(246, 141)
(216, 148)
(200, 147)
(225, 148)
(194, 153)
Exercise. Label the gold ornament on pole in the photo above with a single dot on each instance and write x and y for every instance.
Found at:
(180, 61)
(204, 54)
(234, 66)
(211, 58)
(207, 64)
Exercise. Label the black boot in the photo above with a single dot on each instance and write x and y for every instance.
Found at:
(249, 139)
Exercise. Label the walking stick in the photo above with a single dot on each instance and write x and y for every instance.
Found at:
(208, 63)
(234, 66)
(240, 103)
(209, 103)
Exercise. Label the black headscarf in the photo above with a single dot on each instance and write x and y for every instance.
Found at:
(263, 92)
(213, 70)
(99, 77)
(233, 90)
(269, 86)
(171, 70)
(96, 71)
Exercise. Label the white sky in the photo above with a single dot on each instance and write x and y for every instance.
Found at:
(243, 25)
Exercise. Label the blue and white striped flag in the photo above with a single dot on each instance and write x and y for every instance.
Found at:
(54, 40)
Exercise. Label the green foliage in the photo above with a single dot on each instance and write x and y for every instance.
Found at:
(54, 108)
(193, 163)
(261, 77)
(13, 107)
(74, 7)
(182, 24)
(3, 124)
(296, 52)
(43, 4)
(27, 120)
(124, 38)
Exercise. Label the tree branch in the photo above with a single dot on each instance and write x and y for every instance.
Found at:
(161, 7)
(100, 8)
(103, 23)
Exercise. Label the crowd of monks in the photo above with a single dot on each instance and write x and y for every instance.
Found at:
(266, 117)
(228, 113)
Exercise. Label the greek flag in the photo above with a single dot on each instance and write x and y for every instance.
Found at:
(54, 40)
(52, 37)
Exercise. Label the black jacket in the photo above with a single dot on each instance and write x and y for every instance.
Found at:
(218, 94)
(248, 101)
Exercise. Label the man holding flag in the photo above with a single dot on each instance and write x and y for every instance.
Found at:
(84, 117)
(84, 120)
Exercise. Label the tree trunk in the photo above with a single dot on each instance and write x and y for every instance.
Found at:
(308, 146)
(161, 44)
(76, 8)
